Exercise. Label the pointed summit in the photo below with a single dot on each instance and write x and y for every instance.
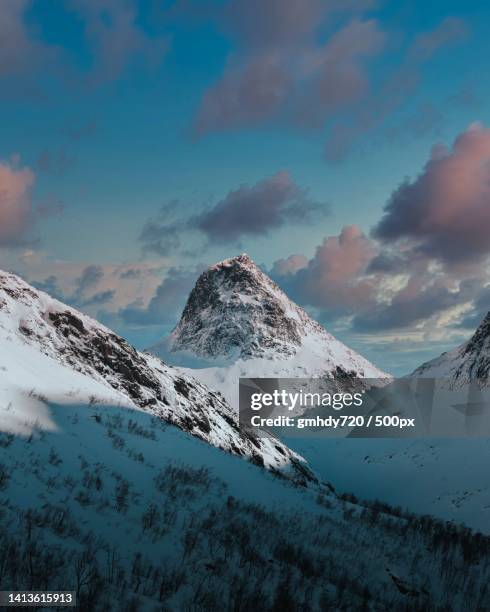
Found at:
(236, 313)
(480, 341)
(244, 259)
(469, 361)
(235, 310)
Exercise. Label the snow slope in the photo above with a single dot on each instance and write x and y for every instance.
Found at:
(446, 478)
(470, 361)
(239, 323)
(135, 514)
(50, 352)
(443, 478)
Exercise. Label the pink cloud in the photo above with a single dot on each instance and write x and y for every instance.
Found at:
(337, 69)
(286, 69)
(351, 276)
(445, 211)
(394, 90)
(290, 265)
(343, 257)
(15, 203)
(336, 278)
(281, 68)
(246, 94)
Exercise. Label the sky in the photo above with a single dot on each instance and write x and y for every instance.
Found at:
(344, 145)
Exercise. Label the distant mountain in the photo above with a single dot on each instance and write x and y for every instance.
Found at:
(469, 361)
(238, 322)
(448, 477)
(53, 354)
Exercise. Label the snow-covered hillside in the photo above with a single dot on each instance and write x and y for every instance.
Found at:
(51, 353)
(447, 478)
(241, 324)
(470, 361)
(443, 478)
(134, 514)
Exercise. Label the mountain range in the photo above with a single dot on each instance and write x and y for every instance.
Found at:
(123, 477)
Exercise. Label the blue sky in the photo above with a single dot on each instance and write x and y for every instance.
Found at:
(120, 108)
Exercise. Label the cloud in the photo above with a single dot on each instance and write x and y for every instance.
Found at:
(450, 30)
(290, 265)
(281, 68)
(16, 211)
(89, 278)
(168, 301)
(89, 287)
(160, 238)
(246, 95)
(306, 62)
(353, 277)
(419, 300)
(115, 37)
(101, 297)
(85, 285)
(131, 274)
(19, 53)
(273, 23)
(56, 163)
(256, 210)
(112, 35)
(249, 210)
(481, 307)
(444, 213)
(51, 286)
(335, 279)
(338, 77)
(259, 78)
(393, 91)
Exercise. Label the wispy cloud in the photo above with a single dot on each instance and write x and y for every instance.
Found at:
(248, 211)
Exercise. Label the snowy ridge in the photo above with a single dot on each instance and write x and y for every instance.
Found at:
(51, 353)
(448, 477)
(469, 361)
(244, 325)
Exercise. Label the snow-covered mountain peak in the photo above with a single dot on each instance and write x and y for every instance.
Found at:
(238, 314)
(469, 361)
(235, 310)
(238, 323)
